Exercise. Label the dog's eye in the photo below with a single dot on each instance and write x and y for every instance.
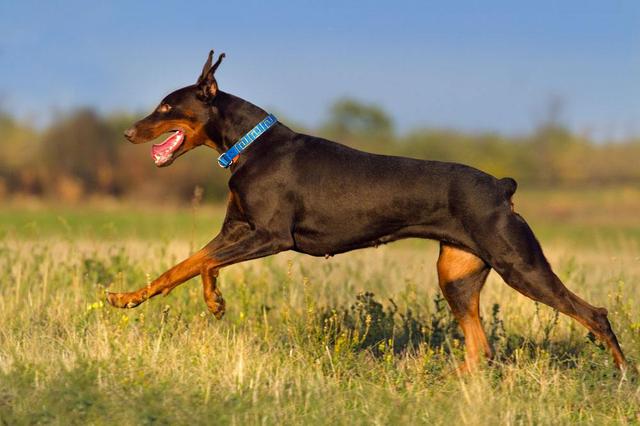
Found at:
(164, 108)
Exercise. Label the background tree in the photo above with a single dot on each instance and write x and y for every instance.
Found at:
(78, 150)
(356, 123)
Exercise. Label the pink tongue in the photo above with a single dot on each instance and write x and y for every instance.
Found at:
(164, 147)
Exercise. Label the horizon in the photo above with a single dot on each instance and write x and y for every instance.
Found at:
(490, 68)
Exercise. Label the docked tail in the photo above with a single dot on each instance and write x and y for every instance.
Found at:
(508, 186)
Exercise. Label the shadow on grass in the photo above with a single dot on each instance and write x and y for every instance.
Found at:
(367, 325)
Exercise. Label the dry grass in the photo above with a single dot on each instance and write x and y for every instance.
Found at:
(297, 346)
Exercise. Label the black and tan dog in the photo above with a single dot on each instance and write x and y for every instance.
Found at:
(290, 191)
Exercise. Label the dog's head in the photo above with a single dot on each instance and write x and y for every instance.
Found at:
(184, 114)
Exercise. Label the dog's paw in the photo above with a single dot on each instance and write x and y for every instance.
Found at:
(216, 307)
(121, 300)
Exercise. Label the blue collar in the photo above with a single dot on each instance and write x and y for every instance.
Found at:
(227, 158)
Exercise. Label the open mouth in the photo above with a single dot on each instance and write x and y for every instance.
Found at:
(163, 152)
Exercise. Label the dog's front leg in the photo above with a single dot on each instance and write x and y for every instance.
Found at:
(212, 295)
(236, 243)
(234, 249)
(166, 282)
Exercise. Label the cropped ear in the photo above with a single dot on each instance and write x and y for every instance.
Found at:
(206, 68)
(207, 83)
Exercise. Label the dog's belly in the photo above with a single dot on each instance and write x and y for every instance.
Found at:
(338, 231)
(318, 244)
(328, 244)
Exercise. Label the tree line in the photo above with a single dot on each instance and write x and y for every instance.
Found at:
(82, 154)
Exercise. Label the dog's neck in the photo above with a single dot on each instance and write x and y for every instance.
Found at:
(232, 118)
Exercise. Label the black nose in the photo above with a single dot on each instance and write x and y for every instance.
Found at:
(130, 133)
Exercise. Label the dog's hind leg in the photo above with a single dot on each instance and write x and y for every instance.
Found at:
(461, 276)
(513, 251)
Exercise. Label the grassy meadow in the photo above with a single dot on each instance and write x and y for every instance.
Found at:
(360, 338)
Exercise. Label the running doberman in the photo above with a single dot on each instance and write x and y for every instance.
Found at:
(291, 191)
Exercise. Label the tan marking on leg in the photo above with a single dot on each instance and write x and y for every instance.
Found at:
(461, 276)
(476, 343)
(166, 282)
(454, 264)
(212, 295)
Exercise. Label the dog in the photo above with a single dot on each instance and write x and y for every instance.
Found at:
(291, 191)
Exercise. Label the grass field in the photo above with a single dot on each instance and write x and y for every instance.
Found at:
(361, 338)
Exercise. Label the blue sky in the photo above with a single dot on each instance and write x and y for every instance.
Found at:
(471, 65)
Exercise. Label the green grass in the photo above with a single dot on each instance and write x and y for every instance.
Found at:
(108, 222)
(361, 338)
